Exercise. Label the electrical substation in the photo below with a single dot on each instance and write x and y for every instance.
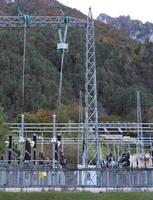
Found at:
(104, 154)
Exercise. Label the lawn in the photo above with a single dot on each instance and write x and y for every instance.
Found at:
(76, 196)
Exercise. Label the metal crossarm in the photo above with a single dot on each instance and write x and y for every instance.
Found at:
(41, 21)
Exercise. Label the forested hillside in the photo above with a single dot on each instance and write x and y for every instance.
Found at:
(123, 67)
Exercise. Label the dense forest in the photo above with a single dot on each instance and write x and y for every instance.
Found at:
(123, 67)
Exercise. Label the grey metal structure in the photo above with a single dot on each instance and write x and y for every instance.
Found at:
(91, 154)
(105, 128)
(46, 177)
(91, 115)
(46, 174)
(40, 21)
(54, 136)
(21, 140)
(123, 141)
(139, 122)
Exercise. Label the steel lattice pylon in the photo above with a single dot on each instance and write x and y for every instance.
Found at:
(91, 154)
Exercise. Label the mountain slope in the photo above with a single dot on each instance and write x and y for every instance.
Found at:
(123, 67)
(135, 29)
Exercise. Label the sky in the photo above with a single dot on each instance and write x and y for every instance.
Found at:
(137, 9)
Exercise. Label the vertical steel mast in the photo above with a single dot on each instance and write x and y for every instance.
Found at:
(91, 154)
(139, 124)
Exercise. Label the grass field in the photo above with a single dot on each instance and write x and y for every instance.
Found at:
(76, 196)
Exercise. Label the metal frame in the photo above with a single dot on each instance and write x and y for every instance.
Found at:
(40, 21)
(91, 140)
(105, 128)
(44, 177)
(140, 147)
(91, 115)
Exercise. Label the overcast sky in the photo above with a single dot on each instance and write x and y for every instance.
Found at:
(137, 9)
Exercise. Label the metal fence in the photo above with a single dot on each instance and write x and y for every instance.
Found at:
(18, 178)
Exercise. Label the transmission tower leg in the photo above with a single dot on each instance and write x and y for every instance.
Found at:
(91, 141)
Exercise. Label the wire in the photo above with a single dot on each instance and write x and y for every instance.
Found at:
(60, 84)
(26, 21)
(23, 66)
(62, 40)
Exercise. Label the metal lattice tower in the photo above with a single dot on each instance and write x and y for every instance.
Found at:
(139, 123)
(91, 154)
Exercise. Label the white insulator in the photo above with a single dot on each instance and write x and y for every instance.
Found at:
(62, 45)
(106, 131)
(21, 140)
(120, 130)
(32, 143)
(7, 143)
(53, 140)
(58, 143)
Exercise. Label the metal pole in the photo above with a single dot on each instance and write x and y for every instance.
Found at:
(10, 150)
(21, 140)
(114, 147)
(79, 128)
(32, 154)
(69, 128)
(34, 147)
(139, 122)
(54, 141)
(42, 142)
(22, 125)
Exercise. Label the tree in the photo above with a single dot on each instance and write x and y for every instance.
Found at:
(4, 130)
(69, 112)
(28, 118)
(43, 116)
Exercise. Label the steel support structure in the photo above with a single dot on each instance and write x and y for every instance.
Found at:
(54, 140)
(40, 21)
(139, 122)
(21, 140)
(91, 154)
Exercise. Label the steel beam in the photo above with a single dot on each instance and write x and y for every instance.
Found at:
(41, 21)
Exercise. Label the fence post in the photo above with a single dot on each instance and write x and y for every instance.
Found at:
(138, 178)
(146, 178)
(107, 178)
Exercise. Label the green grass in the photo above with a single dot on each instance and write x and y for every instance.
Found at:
(76, 196)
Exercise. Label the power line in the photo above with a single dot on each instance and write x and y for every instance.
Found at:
(23, 67)
(62, 45)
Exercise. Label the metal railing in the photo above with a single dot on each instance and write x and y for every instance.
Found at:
(102, 140)
(75, 178)
(103, 128)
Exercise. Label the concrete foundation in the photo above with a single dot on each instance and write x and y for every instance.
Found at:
(79, 189)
